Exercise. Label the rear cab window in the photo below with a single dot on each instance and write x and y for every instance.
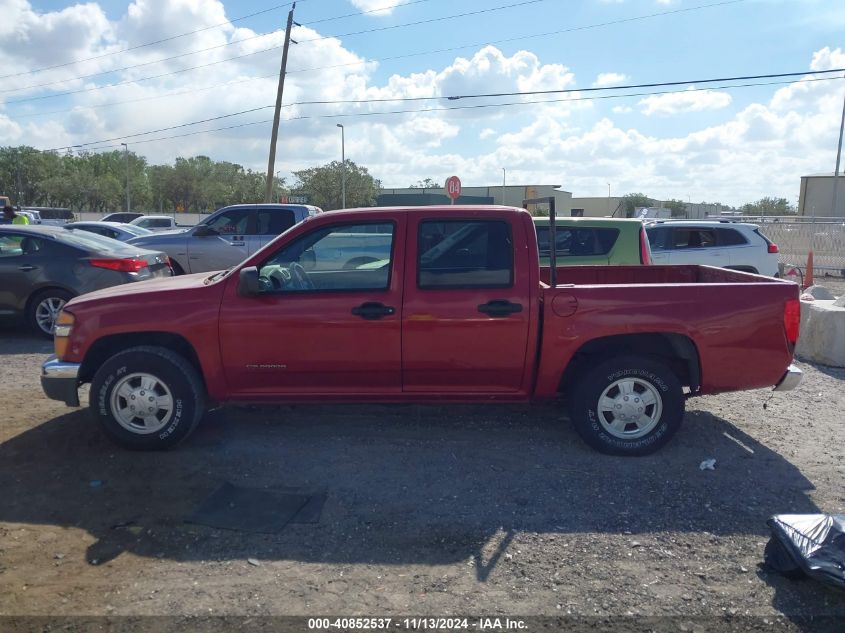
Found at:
(464, 254)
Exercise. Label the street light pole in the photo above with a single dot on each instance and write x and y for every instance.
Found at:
(838, 157)
(504, 176)
(343, 160)
(126, 153)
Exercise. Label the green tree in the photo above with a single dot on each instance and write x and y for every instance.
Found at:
(428, 183)
(768, 206)
(323, 184)
(631, 201)
(677, 207)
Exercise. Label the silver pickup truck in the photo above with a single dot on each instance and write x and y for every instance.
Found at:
(226, 237)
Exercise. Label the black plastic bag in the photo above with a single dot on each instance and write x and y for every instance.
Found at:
(808, 544)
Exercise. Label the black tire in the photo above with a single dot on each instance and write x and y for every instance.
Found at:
(177, 269)
(55, 296)
(173, 374)
(593, 425)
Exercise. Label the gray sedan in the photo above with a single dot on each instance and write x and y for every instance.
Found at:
(42, 268)
(115, 230)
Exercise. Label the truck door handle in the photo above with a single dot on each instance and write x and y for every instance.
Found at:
(27, 268)
(373, 310)
(500, 308)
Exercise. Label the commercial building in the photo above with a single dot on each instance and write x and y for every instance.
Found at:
(508, 195)
(816, 197)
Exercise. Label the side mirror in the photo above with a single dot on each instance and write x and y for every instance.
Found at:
(248, 285)
(204, 230)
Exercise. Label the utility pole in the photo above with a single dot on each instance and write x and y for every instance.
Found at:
(342, 173)
(271, 163)
(126, 153)
(504, 177)
(838, 157)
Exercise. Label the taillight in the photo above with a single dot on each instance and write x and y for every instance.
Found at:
(645, 249)
(773, 248)
(122, 265)
(792, 319)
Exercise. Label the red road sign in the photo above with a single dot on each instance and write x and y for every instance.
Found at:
(453, 187)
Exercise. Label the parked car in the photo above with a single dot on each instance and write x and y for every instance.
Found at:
(158, 223)
(594, 241)
(457, 313)
(121, 216)
(114, 230)
(53, 216)
(726, 244)
(42, 267)
(227, 236)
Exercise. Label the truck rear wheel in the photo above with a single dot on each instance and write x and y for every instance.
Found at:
(147, 398)
(631, 405)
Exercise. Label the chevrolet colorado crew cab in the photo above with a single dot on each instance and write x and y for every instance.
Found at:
(458, 310)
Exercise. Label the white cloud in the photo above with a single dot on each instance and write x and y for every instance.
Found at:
(689, 100)
(609, 79)
(579, 145)
(380, 7)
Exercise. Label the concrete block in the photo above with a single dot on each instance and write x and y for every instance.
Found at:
(822, 337)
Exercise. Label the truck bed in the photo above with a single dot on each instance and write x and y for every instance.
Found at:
(734, 320)
(629, 275)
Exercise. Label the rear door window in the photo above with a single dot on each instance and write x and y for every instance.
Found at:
(577, 241)
(693, 238)
(275, 221)
(464, 254)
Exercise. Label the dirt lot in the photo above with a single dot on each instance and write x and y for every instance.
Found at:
(430, 510)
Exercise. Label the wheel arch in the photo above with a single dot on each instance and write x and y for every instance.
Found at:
(676, 350)
(41, 289)
(106, 347)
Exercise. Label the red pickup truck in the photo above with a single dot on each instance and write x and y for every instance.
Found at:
(456, 309)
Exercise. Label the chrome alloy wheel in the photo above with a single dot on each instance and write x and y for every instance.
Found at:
(47, 311)
(141, 403)
(630, 408)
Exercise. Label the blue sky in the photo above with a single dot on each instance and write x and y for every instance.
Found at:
(729, 145)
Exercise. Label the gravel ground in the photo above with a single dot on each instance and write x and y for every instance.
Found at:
(430, 510)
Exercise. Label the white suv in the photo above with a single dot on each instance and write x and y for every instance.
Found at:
(715, 243)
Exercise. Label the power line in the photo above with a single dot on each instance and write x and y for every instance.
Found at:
(144, 45)
(426, 110)
(194, 32)
(253, 37)
(395, 57)
(469, 107)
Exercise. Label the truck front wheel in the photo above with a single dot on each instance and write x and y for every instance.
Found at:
(628, 406)
(147, 398)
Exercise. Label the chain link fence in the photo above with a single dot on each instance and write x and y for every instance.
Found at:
(796, 237)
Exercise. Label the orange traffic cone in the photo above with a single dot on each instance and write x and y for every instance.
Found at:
(808, 272)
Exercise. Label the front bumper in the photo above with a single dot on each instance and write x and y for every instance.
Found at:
(791, 379)
(60, 381)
